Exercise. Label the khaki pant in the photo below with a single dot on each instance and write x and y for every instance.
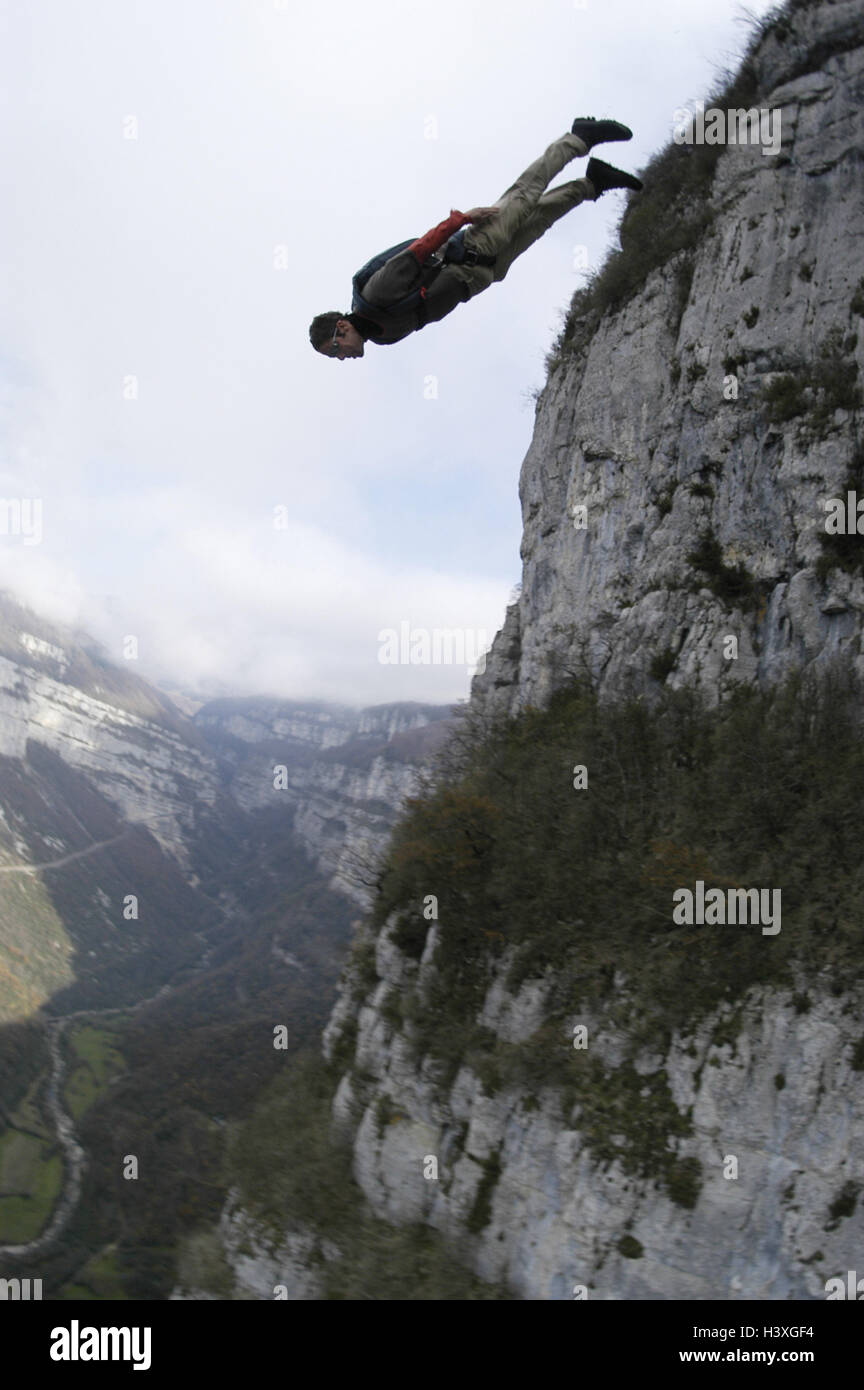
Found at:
(526, 212)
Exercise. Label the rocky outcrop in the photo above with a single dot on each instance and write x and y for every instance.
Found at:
(240, 1262)
(712, 414)
(773, 1111)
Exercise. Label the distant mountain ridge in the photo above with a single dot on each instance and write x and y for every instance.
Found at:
(78, 730)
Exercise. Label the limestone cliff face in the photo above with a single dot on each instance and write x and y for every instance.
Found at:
(667, 423)
(782, 1098)
(701, 425)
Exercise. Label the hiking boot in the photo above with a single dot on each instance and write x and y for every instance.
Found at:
(604, 176)
(594, 132)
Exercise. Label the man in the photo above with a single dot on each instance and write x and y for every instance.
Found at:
(414, 286)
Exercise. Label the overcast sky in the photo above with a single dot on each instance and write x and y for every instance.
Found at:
(158, 393)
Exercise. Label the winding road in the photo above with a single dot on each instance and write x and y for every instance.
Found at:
(58, 863)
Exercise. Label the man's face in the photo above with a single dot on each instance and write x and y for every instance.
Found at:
(348, 342)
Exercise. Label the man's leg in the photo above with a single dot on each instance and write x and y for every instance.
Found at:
(516, 224)
(554, 204)
(520, 198)
(538, 220)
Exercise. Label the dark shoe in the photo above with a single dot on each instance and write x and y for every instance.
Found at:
(604, 176)
(595, 132)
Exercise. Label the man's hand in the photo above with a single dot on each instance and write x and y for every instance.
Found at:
(481, 214)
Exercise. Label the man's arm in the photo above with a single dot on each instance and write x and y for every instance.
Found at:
(424, 246)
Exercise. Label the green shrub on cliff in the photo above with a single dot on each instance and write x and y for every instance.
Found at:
(764, 791)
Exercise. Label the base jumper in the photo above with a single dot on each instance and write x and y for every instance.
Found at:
(402, 289)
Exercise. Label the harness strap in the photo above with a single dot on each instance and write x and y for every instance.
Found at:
(473, 257)
(457, 253)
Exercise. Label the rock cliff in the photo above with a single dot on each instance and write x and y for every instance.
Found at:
(701, 424)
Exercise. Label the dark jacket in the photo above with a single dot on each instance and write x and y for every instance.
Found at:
(416, 266)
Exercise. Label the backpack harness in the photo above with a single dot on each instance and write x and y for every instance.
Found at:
(455, 253)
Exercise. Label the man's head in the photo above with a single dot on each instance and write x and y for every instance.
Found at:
(332, 335)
